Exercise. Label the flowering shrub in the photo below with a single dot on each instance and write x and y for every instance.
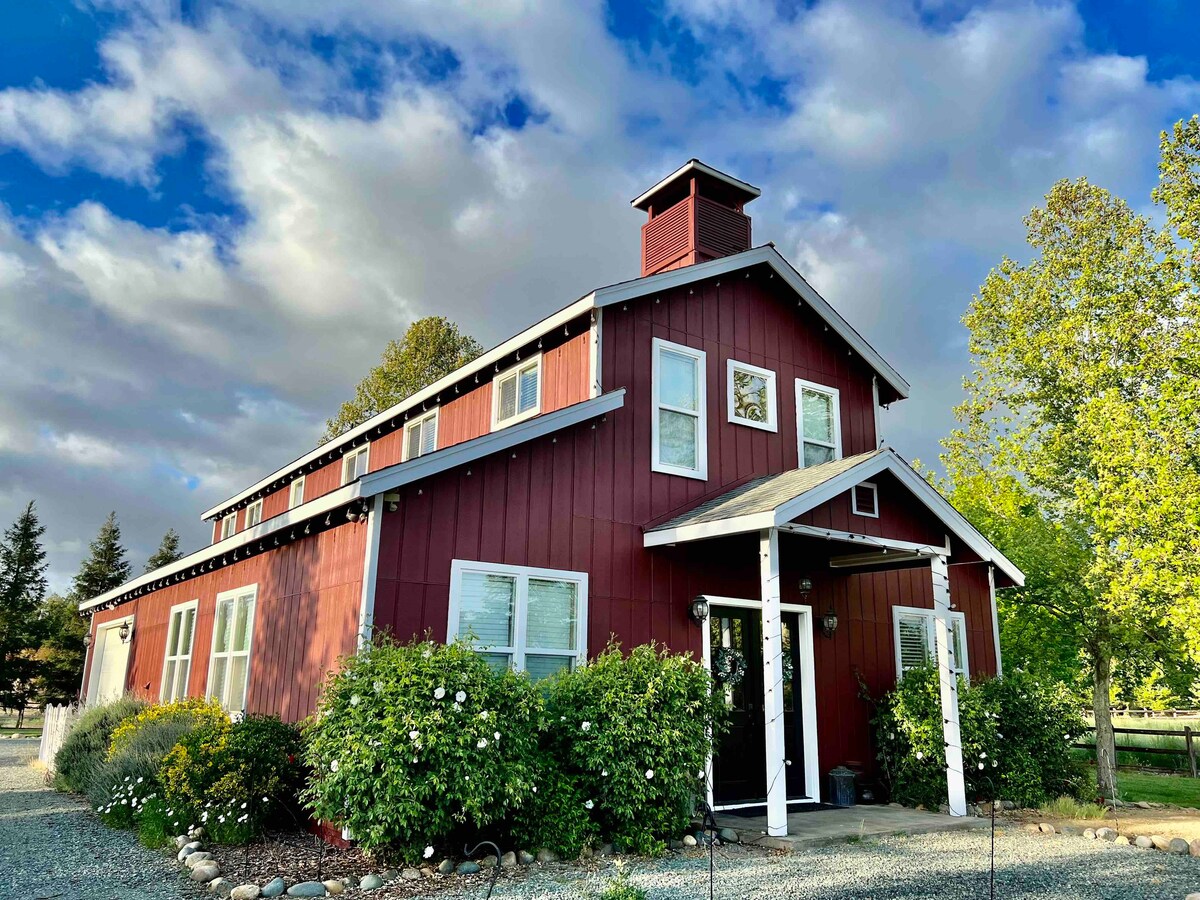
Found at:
(1016, 739)
(559, 816)
(412, 742)
(86, 747)
(633, 734)
(192, 711)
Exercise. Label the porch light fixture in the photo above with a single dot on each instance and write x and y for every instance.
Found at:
(124, 632)
(805, 588)
(829, 623)
(698, 610)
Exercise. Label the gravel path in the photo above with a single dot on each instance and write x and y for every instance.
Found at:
(51, 846)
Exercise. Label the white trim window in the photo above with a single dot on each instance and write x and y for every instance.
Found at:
(534, 620)
(228, 526)
(420, 436)
(915, 636)
(818, 423)
(679, 428)
(233, 637)
(355, 462)
(177, 662)
(751, 392)
(296, 492)
(864, 500)
(517, 393)
(254, 513)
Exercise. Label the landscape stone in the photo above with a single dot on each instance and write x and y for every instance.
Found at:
(1178, 845)
(274, 887)
(1089, 833)
(389, 874)
(689, 840)
(1161, 842)
(1046, 828)
(508, 860)
(370, 882)
(1121, 840)
(180, 841)
(245, 892)
(222, 887)
(1106, 834)
(586, 853)
(205, 872)
(1008, 804)
(674, 844)
(1142, 804)
(1194, 847)
(410, 874)
(196, 858)
(729, 836)
(426, 871)
(333, 886)
(350, 881)
(546, 856)
(1143, 842)
(307, 889)
(605, 850)
(524, 857)
(446, 866)
(489, 861)
(187, 850)
(1069, 830)
(467, 868)
(1193, 896)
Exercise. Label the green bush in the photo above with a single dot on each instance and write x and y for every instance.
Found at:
(413, 743)
(557, 815)
(86, 747)
(633, 734)
(620, 889)
(1016, 738)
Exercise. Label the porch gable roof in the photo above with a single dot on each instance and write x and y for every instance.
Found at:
(774, 500)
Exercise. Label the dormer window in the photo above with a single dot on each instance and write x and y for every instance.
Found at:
(864, 500)
(752, 396)
(517, 393)
(818, 423)
(254, 513)
(354, 463)
(420, 436)
(228, 526)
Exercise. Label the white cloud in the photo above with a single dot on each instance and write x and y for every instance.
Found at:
(85, 450)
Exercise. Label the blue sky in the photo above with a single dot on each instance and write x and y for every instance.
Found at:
(213, 214)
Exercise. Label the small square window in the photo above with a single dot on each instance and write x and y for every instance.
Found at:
(354, 463)
(254, 513)
(420, 436)
(228, 526)
(865, 500)
(296, 493)
(752, 396)
(517, 393)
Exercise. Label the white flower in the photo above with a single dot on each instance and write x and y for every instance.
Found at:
(920, 755)
(981, 766)
(604, 774)
(649, 774)
(461, 697)
(439, 693)
(414, 735)
(457, 708)
(535, 788)
(243, 806)
(481, 743)
(354, 700)
(378, 687)
(428, 852)
(139, 781)
(333, 766)
(588, 805)
(483, 714)
(265, 800)
(496, 735)
(982, 754)
(586, 726)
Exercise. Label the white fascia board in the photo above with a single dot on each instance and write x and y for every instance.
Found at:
(439, 461)
(491, 357)
(639, 287)
(296, 516)
(703, 530)
(694, 165)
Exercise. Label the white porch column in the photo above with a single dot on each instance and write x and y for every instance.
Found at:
(948, 682)
(772, 629)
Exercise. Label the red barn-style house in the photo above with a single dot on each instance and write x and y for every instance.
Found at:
(691, 457)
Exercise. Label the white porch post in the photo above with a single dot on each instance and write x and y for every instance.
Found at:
(772, 629)
(948, 682)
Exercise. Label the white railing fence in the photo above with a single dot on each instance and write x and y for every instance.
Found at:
(55, 726)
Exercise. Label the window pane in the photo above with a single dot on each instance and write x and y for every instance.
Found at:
(238, 669)
(168, 680)
(173, 634)
(181, 678)
(677, 377)
(217, 688)
(914, 642)
(550, 622)
(540, 667)
(414, 441)
(749, 396)
(486, 608)
(818, 416)
(429, 435)
(814, 454)
(185, 639)
(241, 633)
(221, 642)
(956, 643)
(507, 407)
(499, 662)
(360, 463)
(529, 389)
(677, 439)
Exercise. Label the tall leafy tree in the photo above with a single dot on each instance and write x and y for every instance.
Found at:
(431, 348)
(61, 655)
(106, 565)
(22, 589)
(167, 552)
(1085, 402)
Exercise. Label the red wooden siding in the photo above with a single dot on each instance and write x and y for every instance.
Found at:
(306, 616)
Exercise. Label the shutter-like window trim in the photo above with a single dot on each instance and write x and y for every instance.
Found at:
(914, 632)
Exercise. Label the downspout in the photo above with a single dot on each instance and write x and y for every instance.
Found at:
(995, 619)
(366, 611)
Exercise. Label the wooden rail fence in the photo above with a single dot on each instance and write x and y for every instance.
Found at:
(1188, 750)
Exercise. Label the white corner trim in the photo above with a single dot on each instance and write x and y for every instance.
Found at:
(700, 472)
(595, 357)
(772, 422)
(366, 609)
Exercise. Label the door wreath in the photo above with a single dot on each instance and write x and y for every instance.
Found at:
(729, 666)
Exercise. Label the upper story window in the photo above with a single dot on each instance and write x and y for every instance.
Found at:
(177, 665)
(864, 500)
(233, 636)
(818, 423)
(354, 463)
(679, 427)
(254, 513)
(517, 393)
(296, 493)
(420, 436)
(534, 620)
(916, 639)
(229, 525)
(751, 393)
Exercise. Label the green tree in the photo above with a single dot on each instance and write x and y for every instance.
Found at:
(431, 348)
(61, 655)
(106, 566)
(167, 552)
(22, 589)
(1085, 403)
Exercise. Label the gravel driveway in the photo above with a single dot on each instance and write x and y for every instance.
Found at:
(51, 846)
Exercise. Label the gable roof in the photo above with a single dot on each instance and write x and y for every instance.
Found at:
(598, 299)
(774, 500)
(747, 190)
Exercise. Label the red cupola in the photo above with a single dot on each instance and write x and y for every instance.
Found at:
(695, 214)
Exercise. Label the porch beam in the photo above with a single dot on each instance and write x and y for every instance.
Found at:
(948, 686)
(772, 630)
(865, 540)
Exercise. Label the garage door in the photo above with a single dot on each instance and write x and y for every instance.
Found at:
(108, 676)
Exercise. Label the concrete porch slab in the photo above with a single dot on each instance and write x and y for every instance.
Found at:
(822, 828)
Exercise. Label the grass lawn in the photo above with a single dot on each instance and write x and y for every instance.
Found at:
(1179, 790)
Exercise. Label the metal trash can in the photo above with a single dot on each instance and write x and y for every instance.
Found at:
(841, 787)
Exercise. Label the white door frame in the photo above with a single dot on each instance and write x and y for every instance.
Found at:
(98, 643)
(808, 696)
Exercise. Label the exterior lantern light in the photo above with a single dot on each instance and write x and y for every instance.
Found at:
(125, 631)
(829, 623)
(698, 610)
(805, 588)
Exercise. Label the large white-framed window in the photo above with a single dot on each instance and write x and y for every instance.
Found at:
(532, 619)
(296, 493)
(864, 500)
(517, 393)
(916, 639)
(233, 638)
(177, 662)
(354, 463)
(679, 428)
(229, 525)
(751, 392)
(254, 513)
(818, 423)
(420, 436)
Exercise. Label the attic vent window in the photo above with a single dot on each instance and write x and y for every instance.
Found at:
(752, 396)
(865, 500)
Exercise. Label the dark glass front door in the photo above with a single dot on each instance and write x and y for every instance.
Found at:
(739, 759)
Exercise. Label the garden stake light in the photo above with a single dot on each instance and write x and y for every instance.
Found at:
(495, 869)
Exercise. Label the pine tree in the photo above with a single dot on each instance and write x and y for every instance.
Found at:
(62, 653)
(22, 590)
(167, 552)
(106, 567)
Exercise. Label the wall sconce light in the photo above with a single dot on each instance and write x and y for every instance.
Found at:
(125, 632)
(805, 588)
(698, 610)
(829, 623)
